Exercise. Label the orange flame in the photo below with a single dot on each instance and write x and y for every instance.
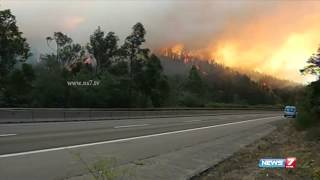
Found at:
(277, 45)
(178, 49)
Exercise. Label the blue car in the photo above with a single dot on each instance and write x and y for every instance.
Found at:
(290, 111)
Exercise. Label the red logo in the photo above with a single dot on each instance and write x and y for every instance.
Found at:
(291, 162)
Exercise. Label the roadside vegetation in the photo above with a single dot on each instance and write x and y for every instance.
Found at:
(309, 101)
(126, 75)
(103, 169)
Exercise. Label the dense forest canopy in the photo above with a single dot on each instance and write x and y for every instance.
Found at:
(105, 73)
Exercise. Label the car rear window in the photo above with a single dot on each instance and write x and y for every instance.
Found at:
(290, 109)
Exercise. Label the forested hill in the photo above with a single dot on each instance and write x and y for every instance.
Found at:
(226, 85)
(107, 74)
(181, 67)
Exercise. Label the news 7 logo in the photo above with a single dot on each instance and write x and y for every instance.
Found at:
(291, 162)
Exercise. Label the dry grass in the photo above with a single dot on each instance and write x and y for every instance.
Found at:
(284, 142)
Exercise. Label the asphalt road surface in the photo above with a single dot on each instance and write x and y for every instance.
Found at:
(155, 148)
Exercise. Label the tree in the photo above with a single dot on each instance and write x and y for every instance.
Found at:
(133, 52)
(50, 87)
(103, 47)
(135, 55)
(309, 104)
(19, 86)
(67, 52)
(194, 83)
(156, 84)
(194, 89)
(13, 47)
(119, 68)
(134, 41)
(314, 64)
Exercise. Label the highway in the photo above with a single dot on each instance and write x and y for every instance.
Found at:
(152, 148)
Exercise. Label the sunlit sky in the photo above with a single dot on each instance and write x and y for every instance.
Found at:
(273, 37)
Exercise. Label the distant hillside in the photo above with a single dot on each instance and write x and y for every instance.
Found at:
(270, 80)
(181, 67)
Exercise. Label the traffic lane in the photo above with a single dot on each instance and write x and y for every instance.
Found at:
(26, 128)
(35, 141)
(59, 164)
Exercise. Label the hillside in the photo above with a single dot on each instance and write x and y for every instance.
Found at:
(182, 67)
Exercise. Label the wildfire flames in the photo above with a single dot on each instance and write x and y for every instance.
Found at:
(284, 62)
(277, 45)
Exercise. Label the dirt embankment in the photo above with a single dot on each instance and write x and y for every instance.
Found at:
(285, 141)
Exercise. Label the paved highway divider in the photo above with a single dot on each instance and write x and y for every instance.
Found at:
(30, 115)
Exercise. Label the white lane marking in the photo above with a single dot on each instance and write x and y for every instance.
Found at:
(133, 125)
(196, 120)
(5, 135)
(132, 138)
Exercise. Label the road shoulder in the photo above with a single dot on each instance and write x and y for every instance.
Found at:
(283, 142)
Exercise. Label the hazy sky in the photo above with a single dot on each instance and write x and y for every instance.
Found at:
(274, 37)
(167, 22)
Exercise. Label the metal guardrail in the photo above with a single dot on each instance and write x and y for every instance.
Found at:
(157, 109)
(25, 115)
